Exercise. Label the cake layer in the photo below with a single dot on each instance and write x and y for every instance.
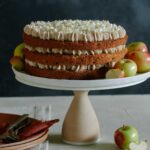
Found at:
(75, 30)
(56, 74)
(75, 68)
(74, 60)
(37, 42)
(73, 52)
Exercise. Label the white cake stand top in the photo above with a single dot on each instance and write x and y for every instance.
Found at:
(79, 85)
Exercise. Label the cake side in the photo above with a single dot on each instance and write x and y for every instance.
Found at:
(57, 74)
(81, 45)
(59, 59)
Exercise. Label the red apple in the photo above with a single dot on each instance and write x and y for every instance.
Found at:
(128, 66)
(141, 59)
(17, 63)
(137, 46)
(126, 135)
(114, 73)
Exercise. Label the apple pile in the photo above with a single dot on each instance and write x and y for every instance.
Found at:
(137, 60)
(17, 60)
(127, 138)
(138, 52)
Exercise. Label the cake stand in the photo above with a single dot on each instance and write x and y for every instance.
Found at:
(81, 126)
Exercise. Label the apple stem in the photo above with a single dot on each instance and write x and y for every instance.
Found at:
(124, 127)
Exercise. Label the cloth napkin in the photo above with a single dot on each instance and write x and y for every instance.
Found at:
(41, 112)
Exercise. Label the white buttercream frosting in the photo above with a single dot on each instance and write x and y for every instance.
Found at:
(73, 52)
(75, 68)
(75, 30)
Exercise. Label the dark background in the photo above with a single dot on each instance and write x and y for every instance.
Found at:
(15, 14)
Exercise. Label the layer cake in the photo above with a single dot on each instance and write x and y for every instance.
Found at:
(72, 49)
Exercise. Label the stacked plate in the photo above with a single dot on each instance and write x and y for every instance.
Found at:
(24, 144)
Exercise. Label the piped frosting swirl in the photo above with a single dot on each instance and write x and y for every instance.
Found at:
(75, 30)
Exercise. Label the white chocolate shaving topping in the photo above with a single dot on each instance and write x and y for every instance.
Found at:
(75, 30)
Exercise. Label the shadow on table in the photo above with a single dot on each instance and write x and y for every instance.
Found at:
(55, 139)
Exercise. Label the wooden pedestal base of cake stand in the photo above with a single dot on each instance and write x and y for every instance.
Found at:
(81, 126)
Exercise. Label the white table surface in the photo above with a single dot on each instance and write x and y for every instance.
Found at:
(112, 112)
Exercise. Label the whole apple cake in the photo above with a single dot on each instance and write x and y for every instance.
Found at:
(72, 49)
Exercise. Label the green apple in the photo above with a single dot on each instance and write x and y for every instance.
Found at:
(137, 46)
(141, 59)
(125, 135)
(19, 50)
(114, 73)
(128, 66)
(17, 63)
